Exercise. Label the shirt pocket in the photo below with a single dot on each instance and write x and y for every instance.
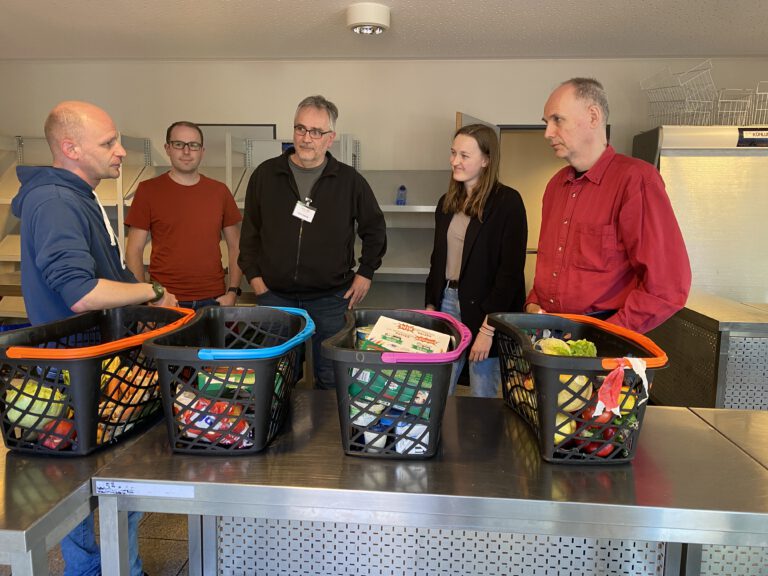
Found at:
(596, 247)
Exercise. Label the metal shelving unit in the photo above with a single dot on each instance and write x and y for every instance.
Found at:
(410, 234)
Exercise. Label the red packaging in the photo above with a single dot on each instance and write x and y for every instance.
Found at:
(206, 414)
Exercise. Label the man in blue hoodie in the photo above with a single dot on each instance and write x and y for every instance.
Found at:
(71, 261)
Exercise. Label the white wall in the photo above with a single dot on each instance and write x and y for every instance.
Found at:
(402, 111)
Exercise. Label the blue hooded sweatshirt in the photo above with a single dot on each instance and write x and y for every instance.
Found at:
(65, 246)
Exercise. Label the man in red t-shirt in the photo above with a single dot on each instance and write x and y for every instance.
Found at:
(186, 214)
(609, 240)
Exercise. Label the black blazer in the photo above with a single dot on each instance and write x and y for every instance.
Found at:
(492, 275)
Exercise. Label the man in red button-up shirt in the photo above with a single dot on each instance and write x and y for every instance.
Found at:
(609, 239)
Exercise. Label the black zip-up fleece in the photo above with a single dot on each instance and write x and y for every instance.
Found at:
(317, 258)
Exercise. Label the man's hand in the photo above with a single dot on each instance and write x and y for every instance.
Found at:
(258, 286)
(358, 290)
(168, 299)
(480, 348)
(533, 308)
(430, 308)
(228, 299)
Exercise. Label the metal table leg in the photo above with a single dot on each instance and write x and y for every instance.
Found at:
(35, 561)
(113, 524)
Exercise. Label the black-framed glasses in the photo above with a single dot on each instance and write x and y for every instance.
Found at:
(314, 133)
(179, 145)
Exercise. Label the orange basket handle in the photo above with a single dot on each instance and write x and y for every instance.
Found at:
(658, 359)
(34, 353)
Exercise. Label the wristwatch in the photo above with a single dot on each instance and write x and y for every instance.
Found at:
(236, 289)
(159, 292)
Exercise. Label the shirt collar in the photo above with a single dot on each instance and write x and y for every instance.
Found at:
(596, 173)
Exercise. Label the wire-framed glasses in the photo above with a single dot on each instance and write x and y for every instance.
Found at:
(179, 145)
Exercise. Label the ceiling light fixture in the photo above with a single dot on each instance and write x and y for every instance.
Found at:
(368, 18)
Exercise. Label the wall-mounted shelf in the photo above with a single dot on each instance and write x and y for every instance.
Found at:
(401, 274)
(12, 307)
(407, 208)
(410, 234)
(10, 248)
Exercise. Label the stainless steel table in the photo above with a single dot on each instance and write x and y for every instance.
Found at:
(748, 429)
(688, 483)
(43, 499)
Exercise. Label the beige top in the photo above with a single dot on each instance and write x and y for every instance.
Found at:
(456, 232)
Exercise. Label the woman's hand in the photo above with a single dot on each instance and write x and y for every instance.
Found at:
(480, 348)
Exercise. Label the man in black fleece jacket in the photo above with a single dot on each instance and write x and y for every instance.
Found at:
(297, 245)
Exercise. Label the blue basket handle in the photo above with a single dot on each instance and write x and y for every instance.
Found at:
(258, 353)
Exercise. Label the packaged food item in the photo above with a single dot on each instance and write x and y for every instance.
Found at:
(376, 436)
(361, 334)
(212, 380)
(401, 389)
(209, 423)
(413, 438)
(371, 346)
(363, 413)
(399, 336)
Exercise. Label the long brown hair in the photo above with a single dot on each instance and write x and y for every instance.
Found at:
(456, 198)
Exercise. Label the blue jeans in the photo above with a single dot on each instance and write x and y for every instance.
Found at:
(328, 315)
(81, 552)
(484, 376)
(197, 304)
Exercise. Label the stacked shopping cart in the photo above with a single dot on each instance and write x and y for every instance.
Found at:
(691, 98)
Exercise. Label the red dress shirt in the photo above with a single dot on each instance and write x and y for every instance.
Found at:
(610, 241)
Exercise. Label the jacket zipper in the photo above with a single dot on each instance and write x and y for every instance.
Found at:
(301, 226)
(298, 252)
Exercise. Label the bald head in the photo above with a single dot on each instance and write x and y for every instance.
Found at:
(67, 120)
(84, 140)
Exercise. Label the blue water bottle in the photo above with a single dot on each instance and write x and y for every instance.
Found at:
(402, 196)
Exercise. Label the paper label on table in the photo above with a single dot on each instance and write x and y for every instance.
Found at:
(144, 489)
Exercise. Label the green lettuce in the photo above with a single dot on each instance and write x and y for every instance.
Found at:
(582, 348)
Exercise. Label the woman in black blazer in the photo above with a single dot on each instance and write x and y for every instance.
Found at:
(478, 259)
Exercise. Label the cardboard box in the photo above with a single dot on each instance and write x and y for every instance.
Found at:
(398, 336)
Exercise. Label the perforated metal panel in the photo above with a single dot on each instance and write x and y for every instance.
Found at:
(693, 359)
(283, 547)
(746, 381)
(734, 561)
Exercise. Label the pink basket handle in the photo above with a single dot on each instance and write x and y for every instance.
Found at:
(440, 358)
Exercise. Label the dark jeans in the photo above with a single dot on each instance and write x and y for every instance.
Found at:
(197, 304)
(328, 315)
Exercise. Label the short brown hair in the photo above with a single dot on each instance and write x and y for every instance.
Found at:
(188, 125)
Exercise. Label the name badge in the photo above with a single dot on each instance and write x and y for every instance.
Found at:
(304, 212)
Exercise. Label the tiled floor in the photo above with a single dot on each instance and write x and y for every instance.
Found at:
(162, 543)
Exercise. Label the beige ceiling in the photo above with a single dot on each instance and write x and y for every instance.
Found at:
(423, 29)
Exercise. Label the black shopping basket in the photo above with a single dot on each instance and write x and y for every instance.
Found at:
(227, 376)
(72, 386)
(391, 403)
(559, 395)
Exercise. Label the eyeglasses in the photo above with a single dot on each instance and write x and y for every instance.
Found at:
(314, 133)
(179, 145)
